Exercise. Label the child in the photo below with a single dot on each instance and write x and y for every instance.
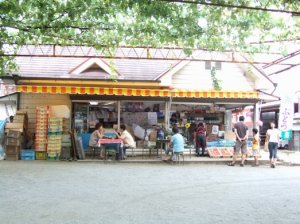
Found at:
(255, 146)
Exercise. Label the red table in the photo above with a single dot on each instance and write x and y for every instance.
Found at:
(117, 141)
(104, 141)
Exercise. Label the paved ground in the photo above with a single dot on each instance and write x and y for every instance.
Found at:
(72, 192)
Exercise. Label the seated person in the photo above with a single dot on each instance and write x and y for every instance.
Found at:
(128, 141)
(173, 119)
(95, 136)
(177, 143)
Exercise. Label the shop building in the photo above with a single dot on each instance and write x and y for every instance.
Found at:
(137, 92)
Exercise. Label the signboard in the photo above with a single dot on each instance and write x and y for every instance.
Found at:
(286, 114)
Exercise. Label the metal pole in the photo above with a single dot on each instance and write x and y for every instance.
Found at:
(119, 113)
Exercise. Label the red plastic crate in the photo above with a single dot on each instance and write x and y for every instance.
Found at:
(214, 153)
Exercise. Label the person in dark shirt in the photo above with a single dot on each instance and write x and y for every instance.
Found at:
(173, 119)
(200, 139)
(241, 133)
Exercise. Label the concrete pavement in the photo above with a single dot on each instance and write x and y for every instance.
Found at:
(71, 192)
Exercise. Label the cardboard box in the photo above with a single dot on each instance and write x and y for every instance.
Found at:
(14, 126)
(20, 130)
(212, 137)
(153, 136)
(229, 135)
(12, 150)
(13, 157)
(19, 119)
(13, 133)
(14, 141)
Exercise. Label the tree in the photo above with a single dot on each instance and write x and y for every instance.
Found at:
(214, 25)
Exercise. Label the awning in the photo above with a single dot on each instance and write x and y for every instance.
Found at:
(176, 93)
(93, 90)
(215, 94)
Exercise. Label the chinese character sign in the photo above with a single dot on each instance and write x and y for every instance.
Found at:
(286, 115)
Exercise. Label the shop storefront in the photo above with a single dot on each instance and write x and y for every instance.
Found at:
(143, 105)
(147, 109)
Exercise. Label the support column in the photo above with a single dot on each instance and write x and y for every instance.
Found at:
(167, 113)
(255, 115)
(119, 113)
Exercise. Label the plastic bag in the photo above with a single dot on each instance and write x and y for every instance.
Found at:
(2, 153)
(266, 146)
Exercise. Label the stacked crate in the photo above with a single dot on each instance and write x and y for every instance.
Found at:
(14, 143)
(55, 128)
(41, 129)
(66, 147)
(21, 118)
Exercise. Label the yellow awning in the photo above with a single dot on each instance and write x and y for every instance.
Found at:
(215, 94)
(93, 90)
(176, 93)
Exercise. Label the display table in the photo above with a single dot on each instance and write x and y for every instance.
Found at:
(160, 143)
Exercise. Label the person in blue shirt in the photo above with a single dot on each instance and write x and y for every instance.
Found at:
(177, 142)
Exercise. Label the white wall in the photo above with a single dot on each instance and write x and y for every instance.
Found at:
(194, 76)
(29, 102)
(8, 106)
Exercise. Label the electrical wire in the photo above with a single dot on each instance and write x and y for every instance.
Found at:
(294, 13)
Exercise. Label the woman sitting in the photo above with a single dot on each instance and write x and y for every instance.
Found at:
(94, 138)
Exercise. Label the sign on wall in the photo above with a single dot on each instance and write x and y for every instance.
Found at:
(286, 114)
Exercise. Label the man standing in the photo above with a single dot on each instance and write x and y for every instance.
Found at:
(241, 133)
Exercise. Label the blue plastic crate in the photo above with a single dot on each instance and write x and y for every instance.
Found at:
(27, 152)
(212, 144)
(27, 157)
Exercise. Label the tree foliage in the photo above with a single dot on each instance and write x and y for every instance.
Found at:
(111, 23)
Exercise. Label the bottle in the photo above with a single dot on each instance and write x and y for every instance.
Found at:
(160, 134)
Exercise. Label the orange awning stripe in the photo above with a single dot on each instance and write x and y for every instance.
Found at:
(176, 93)
(93, 91)
(216, 94)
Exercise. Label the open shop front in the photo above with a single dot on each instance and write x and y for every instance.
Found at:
(141, 117)
(146, 112)
(141, 110)
(219, 114)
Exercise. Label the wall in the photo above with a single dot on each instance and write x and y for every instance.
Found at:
(29, 102)
(194, 76)
(8, 106)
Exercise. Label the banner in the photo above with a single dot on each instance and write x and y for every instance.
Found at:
(286, 114)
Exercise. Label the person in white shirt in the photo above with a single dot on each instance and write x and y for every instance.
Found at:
(273, 137)
(128, 141)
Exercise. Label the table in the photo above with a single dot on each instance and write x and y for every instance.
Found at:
(161, 142)
(108, 141)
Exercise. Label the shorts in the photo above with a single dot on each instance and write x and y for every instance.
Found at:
(240, 146)
(254, 152)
